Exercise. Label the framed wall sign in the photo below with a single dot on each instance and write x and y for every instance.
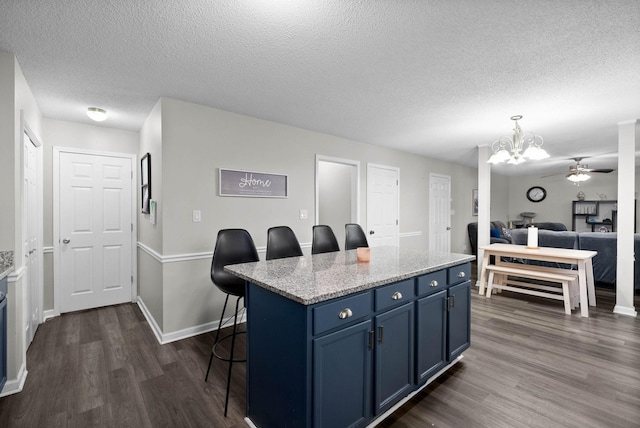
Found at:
(252, 184)
(145, 182)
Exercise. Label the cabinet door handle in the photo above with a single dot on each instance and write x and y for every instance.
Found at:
(380, 334)
(396, 296)
(345, 313)
(461, 274)
(371, 333)
(451, 302)
(433, 283)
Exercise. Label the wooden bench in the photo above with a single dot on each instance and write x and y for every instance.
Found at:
(501, 278)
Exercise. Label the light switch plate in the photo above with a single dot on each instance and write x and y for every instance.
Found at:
(304, 214)
(197, 216)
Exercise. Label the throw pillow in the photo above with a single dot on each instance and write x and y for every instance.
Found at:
(495, 233)
(506, 232)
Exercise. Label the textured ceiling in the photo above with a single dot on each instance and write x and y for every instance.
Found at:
(437, 78)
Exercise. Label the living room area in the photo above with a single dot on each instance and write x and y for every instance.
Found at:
(568, 215)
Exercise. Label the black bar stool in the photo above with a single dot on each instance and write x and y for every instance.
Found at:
(354, 237)
(281, 243)
(324, 240)
(232, 246)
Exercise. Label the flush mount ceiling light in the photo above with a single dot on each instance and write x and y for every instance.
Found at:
(97, 114)
(510, 149)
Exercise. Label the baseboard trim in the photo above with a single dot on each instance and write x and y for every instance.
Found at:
(49, 313)
(623, 310)
(13, 386)
(164, 338)
(155, 328)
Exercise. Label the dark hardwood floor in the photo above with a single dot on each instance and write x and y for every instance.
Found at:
(529, 365)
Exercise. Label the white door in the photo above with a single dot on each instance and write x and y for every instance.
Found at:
(32, 277)
(439, 213)
(383, 183)
(95, 230)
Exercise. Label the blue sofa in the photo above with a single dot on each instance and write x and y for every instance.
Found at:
(501, 234)
(604, 264)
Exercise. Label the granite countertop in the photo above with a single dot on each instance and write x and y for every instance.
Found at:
(313, 279)
(6, 263)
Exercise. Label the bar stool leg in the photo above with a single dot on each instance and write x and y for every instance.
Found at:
(224, 308)
(233, 344)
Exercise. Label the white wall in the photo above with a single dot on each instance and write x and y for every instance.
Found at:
(150, 271)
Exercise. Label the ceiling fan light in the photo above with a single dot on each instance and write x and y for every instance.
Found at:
(97, 114)
(577, 178)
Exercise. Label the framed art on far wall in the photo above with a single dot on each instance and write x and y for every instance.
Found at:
(474, 202)
(145, 182)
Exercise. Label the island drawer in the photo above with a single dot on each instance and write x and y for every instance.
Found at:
(460, 273)
(432, 282)
(395, 294)
(342, 312)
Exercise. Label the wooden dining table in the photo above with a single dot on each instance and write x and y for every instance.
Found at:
(582, 258)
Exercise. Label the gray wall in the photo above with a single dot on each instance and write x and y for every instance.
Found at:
(334, 196)
(196, 141)
(560, 193)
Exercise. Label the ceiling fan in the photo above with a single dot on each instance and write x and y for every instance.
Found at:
(579, 172)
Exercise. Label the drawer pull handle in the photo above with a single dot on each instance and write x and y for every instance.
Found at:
(461, 275)
(433, 283)
(396, 296)
(345, 313)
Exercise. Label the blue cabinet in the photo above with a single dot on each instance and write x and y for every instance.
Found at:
(345, 361)
(431, 347)
(459, 316)
(394, 360)
(342, 377)
(443, 319)
(3, 332)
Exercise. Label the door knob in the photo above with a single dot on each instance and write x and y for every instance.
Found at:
(448, 227)
(371, 232)
(66, 241)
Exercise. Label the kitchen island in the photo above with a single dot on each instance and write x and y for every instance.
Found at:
(333, 342)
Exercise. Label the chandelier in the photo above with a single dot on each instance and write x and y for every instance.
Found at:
(510, 149)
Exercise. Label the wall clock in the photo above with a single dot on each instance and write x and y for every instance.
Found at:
(536, 194)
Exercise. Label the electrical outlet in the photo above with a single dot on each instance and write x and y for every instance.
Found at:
(197, 216)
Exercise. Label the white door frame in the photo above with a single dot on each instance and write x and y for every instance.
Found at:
(370, 198)
(355, 193)
(56, 218)
(39, 275)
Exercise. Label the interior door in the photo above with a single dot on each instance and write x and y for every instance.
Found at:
(383, 183)
(95, 230)
(33, 301)
(439, 213)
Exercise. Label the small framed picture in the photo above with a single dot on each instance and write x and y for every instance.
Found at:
(145, 182)
(474, 202)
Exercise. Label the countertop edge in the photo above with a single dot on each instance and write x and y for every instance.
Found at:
(356, 289)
